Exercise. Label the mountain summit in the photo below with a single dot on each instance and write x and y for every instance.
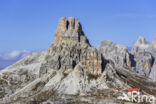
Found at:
(70, 29)
(72, 71)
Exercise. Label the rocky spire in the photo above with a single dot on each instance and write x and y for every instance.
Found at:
(70, 29)
(154, 43)
(140, 45)
(141, 41)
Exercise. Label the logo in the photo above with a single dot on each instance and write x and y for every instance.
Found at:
(143, 98)
(136, 95)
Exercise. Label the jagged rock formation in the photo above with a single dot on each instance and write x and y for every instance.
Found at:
(117, 53)
(20, 74)
(69, 66)
(71, 71)
(70, 29)
(140, 45)
(70, 48)
(144, 62)
(144, 56)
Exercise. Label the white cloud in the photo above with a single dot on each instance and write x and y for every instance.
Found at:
(14, 54)
(7, 59)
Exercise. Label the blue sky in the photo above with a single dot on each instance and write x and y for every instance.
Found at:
(31, 24)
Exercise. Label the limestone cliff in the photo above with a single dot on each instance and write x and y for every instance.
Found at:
(144, 56)
(70, 29)
(71, 71)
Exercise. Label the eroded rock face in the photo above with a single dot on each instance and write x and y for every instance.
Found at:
(71, 47)
(154, 43)
(70, 66)
(71, 71)
(20, 74)
(140, 45)
(144, 57)
(117, 53)
(70, 29)
(144, 63)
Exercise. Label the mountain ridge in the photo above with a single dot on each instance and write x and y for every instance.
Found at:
(72, 71)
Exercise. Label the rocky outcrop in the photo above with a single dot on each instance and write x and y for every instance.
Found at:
(144, 63)
(68, 54)
(20, 74)
(140, 59)
(69, 66)
(152, 50)
(70, 29)
(72, 71)
(116, 53)
(144, 57)
(154, 43)
(70, 48)
(140, 45)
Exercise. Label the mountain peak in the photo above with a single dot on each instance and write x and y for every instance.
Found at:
(140, 45)
(154, 41)
(72, 71)
(70, 29)
(141, 41)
